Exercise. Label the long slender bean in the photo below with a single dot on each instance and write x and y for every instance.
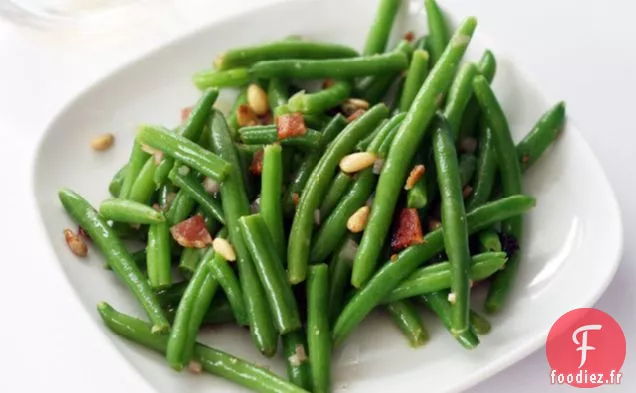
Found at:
(213, 361)
(486, 168)
(402, 150)
(511, 183)
(320, 101)
(232, 119)
(144, 185)
(406, 317)
(340, 275)
(332, 68)
(487, 67)
(180, 208)
(189, 260)
(439, 304)
(235, 77)
(480, 324)
(235, 205)
(374, 88)
(467, 167)
(381, 26)
(277, 95)
(296, 359)
(284, 49)
(189, 184)
(136, 161)
(158, 256)
(459, 95)
(224, 275)
(184, 150)
(541, 136)
(338, 187)
(123, 210)
(418, 71)
(270, 270)
(116, 254)
(302, 227)
(271, 197)
(263, 135)
(489, 240)
(393, 273)
(437, 29)
(318, 339)
(115, 186)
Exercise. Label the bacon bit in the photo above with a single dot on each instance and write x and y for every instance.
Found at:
(256, 167)
(191, 233)
(82, 232)
(295, 198)
(156, 154)
(409, 36)
(327, 83)
(433, 224)
(468, 190)
(525, 159)
(355, 115)
(409, 230)
(245, 116)
(468, 145)
(394, 257)
(185, 112)
(266, 119)
(75, 243)
(156, 207)
(292, 124)
(416, 174)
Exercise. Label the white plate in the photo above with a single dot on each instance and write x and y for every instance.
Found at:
(571, 249)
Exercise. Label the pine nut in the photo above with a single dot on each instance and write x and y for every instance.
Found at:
(224, 248)
(358, 220)
(357, 161)
(257, 99)
(102, 142)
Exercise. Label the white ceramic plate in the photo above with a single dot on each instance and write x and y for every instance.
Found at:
(571, 249)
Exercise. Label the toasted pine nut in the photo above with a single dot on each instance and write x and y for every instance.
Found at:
(102, 142)
(224, 248)
(414, 176)
(245, 116)
(452, 297)
(257, 99)
(357, 161)
(358, 220)
(353, 104)
(75, 243)
(195, 367)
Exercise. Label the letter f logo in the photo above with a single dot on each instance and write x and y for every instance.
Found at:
(584, 347)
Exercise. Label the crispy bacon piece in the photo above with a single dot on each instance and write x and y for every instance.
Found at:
(409, 230)
(191, 233)
(256, 167)
(416, 174)
(185, 112)
(292, 124)
(327, 83)
(409, 36)
(245, 116)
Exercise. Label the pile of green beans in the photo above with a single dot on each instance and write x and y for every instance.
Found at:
(229, 219)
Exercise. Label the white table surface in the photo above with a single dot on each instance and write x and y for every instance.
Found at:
(47, 340)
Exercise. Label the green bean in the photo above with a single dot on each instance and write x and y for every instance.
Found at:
(232, 120)
(467, 167)
(380, 30)
(510, 171)
(459, 95)
(340, 275)
(338, 187)
(489, 240)
(264, 135)
(334, 228)
(392, 274)
(235, 77)
(318, 339)
(402, 150)
(541, 136)
(418, 71)
(117, 256)
(331, 68)
(235, 205)
(438, 276)
(439, 304)
(417, 196)
(480, 324)
(438, 30)
(137, 159)
(144, 186)
(277, 95)
(285, 49)
(298, 371)
(320, 101)
(115, 186)
(183, 178)
(271, 273)
(486, 168)
(224, 275)
(366, 141)
(180, 208)
(184, 150)
(487, 67)
(158, 256)
(453, 223)
(189, 317)
(302, 226)
(122, 210)
(139, 257)
(271, 197)
(317, 121)
(406, 317)
(213, 361)
(373, 88)
(192, 129)
(189, 260)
